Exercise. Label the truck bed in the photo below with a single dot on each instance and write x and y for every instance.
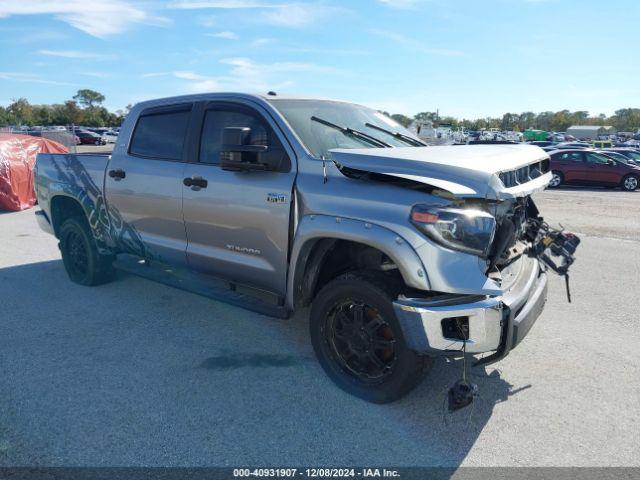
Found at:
(78, 176)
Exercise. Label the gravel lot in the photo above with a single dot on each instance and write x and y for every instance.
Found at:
(136, 373)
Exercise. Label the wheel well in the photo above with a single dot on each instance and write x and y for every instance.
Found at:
(63, 208)
(330, 258)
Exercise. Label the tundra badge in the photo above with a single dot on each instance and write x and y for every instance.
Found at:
(276, 198)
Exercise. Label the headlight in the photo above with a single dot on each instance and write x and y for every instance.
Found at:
(469, 231)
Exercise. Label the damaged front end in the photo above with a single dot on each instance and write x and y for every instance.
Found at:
(520, 230)
(517, 248)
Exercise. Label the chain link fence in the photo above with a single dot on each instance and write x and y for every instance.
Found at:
(64, 137)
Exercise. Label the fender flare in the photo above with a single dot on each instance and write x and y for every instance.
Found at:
(314, 228)
(95, 212)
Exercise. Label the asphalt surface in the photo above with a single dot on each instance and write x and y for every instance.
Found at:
(137, 373)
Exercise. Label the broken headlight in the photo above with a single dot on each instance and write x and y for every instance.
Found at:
(466, 230)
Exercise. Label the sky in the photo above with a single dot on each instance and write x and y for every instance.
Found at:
(465, 58)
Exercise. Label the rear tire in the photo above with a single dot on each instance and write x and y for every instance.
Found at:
(82, 261)
(629, 183)
(358, 340)
(556, 179)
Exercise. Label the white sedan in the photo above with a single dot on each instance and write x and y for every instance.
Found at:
(110, 137)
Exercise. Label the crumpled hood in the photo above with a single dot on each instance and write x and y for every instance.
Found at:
(463, 170)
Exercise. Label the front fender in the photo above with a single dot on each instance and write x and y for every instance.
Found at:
(313, 228)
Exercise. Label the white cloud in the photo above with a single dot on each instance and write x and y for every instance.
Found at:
(75, 54)
(29, 35)
(298, 15)
(258, 42)
(244, 74)
(222, 4)
(208, 21)
(401, 3)
(416, 45)
(95, 74)
(287, 14)
(31, 78)
(226, 35)
(247, 67)
(190, 76)
(155, 74)
(95, 17)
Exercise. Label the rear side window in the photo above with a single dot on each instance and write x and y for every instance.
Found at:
(570, 157)
(160, 135)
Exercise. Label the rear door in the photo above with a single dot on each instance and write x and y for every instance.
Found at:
(237, 223)
(570, 164)
(144, 186)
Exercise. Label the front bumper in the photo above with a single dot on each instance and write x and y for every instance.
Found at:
(496, 324)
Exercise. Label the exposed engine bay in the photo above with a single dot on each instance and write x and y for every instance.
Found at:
(520, 230)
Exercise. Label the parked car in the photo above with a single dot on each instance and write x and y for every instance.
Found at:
(300, 203)
(110, 136)
(588, 167)
(617, 156)
(573, 145)
(89, 138)
(600, 144)
(630, 153)
(542, 143)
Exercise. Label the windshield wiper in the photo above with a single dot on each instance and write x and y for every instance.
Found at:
(398, 135)
(354, 133)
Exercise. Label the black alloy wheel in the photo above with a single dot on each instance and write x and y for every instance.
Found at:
(362, 341)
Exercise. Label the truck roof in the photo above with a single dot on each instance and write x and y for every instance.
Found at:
(198, 97)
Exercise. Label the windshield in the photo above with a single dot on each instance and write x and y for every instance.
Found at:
(618, 156)
(635, 156)
(319, 137)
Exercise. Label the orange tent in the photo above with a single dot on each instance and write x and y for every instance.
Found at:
(17, 159)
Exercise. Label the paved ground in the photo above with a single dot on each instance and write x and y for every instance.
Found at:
(108, 148)
(136, 373)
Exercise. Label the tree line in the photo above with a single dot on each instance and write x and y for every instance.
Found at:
(624, 120)
(85, 108)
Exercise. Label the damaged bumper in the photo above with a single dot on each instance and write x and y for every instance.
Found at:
(489, 324)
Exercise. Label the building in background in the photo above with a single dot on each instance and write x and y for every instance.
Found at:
(590, 132)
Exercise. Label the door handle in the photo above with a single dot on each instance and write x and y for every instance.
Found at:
(195, 182)
(117, 174)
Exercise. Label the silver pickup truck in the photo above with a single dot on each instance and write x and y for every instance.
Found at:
(402, 251)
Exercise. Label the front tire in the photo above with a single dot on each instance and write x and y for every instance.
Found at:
(358, 340)
(82, 261)
(556, 179)
(630, 183)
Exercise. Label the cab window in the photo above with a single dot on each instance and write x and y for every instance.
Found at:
(160, 133)
(218, 118)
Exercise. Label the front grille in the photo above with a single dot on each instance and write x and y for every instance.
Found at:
(512, 178)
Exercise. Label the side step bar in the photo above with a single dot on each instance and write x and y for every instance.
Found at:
(204, 285)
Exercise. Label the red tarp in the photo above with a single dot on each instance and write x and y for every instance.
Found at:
(17, 159)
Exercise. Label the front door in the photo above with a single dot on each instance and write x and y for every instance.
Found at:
(144, 186)
(601, 169)
(237, 223)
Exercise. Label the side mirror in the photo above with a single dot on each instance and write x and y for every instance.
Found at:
(611, 162)
(236, 155)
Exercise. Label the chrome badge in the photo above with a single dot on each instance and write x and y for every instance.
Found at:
(276, 198)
